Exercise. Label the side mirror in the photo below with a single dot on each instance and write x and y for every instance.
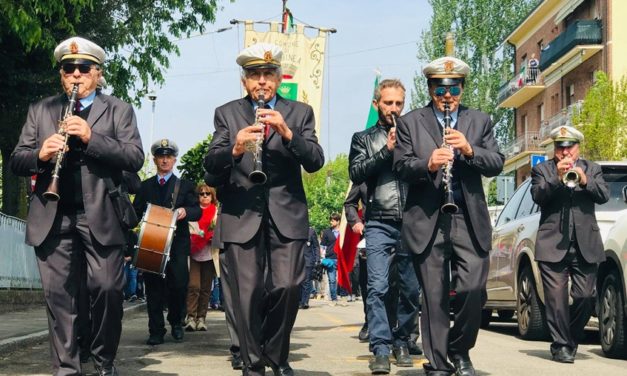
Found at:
(625, 193)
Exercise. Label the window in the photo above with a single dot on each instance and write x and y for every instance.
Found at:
(526, 205)
(511, 207)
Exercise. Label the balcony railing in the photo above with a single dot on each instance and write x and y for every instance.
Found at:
(580, 32)
(562, 118)
(530, 141)
(529, 76)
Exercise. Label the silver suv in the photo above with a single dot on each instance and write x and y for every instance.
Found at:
(514, 284)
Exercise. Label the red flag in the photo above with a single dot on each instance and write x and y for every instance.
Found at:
(346, 251)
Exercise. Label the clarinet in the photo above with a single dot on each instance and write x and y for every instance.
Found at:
(52, 194)
(257, 176)
(447, 173)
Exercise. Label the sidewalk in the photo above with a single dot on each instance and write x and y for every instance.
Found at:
(30, 326)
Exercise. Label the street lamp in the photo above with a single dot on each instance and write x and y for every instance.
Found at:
(153, 98)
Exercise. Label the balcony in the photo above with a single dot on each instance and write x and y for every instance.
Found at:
(581, 40)
(520, 89)
(562, 118)
(518, 152)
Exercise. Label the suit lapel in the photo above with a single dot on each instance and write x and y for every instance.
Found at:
(98, 107)
(246, 111)
(463, 121)
(281, 106)
(431, 125)
(56, 113)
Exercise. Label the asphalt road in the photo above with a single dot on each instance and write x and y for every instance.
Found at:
(324, 343)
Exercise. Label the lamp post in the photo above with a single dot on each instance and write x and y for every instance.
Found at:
(153, 98)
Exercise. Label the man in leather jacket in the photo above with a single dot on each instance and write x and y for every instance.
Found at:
(370, 161)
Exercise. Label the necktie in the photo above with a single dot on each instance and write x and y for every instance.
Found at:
(161, 181)
(77, 107)
(267, 129)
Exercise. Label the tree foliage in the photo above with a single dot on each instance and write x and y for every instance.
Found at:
(191, 164)
(138, 36)
(326, 191)
(603, 119)
(479, 27)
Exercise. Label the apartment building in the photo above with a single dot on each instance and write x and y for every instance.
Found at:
(558, 47)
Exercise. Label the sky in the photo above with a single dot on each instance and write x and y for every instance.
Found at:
(371, 35)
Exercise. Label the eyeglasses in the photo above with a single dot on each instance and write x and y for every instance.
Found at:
(204, 194)
(440, 91)
(69, 68)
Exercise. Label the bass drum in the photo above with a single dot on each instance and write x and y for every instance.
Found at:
(156, 232)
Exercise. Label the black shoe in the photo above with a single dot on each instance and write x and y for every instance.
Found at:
(237, 362)
(305, 306)
(414, 348)
(563, 354)
(107, 371)
(380, 365)
(363, 334)
(177, 332)
(84, 356)
(155, 339)
(284, 370)
(403, 359)
(463, 367)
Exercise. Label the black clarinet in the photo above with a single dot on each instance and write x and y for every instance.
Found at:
(447, 173)
(257, 176)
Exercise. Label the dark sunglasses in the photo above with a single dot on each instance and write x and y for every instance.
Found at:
(440, 91)
(204, 194)
(69, 68)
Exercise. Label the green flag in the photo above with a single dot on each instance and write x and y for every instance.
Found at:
(373, 115)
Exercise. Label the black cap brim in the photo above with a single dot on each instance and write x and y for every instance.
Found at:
(565, 144)
(446, 81)
(163, 151)
(261, 66)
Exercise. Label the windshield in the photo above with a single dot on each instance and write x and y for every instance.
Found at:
(616, 179)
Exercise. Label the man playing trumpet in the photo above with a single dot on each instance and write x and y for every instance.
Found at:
(438, 238)
(82, 226)
(568, 243)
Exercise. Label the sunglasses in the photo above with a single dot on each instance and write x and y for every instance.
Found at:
(440, 91)
(204, 194)
(69, 68)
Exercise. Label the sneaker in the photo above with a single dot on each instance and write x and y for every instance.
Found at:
(191, 324)
(200, 324)
(132, 298)
(380, 365)
(333, 303)
(363, 334)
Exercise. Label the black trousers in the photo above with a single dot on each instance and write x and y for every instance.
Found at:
(68, 258)
(227, 303)
(363, 285)
(265, 276)
(454, 243)
(567, 324)
(170, 291)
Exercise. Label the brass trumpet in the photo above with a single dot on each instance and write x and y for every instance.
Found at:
(449, 205)
(257, 176)
(52, 194)
(571, 178)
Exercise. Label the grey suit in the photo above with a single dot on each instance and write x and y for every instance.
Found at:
(436, 239)
(568, 244)
(264, 227)
(93, 234)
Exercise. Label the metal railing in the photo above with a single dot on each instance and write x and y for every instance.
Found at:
(528, 76)
(18, 268)
(530, 141)
(580, 32)
(562, 118)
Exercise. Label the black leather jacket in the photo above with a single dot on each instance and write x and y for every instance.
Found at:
(370, 161)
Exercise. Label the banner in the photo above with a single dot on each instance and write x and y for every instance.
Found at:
(302, 64)
(373, 115)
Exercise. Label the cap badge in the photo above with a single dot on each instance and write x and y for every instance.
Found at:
(164, 143)
(74, 47)
(448, 66)
(267, 56)
(563, 131)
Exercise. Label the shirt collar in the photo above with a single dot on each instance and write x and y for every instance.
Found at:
(272, 103)
(440, 116)
(88, 100)
(166, 176)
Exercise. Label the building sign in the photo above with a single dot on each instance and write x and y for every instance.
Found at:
(537, 159)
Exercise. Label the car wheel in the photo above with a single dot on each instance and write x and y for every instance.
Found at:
(530, 311)
(486, 316)
(612, 318)
(505, 314)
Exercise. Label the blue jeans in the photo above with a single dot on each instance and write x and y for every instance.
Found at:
(382, 243)
(131, 280)
(332, 275)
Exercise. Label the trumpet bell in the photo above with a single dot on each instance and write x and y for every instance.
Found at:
(571, 179)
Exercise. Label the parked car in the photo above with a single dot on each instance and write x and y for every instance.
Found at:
(514, 284)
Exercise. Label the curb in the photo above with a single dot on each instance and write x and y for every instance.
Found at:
(12, 344)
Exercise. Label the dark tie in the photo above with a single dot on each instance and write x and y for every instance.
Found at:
(77, 106)
(267, 129)
(161, 181)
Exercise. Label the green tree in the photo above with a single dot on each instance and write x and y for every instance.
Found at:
(326, 190)
(479, 27)
(191, 165)
(137, 35)
(603, 119)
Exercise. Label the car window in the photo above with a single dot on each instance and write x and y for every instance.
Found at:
(526, 205)
(616, 179)
(511, 207)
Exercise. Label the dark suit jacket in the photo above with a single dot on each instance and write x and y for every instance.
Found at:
(283, 196)
(559, 203)
(418, 134)
(312, 252)
(115, 145)
(358, 192)
(187, 199)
